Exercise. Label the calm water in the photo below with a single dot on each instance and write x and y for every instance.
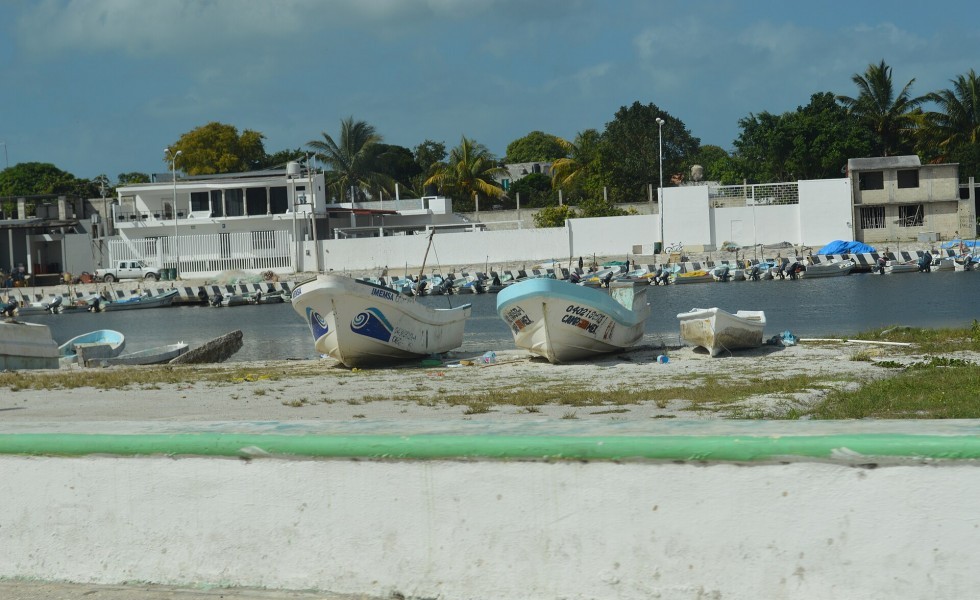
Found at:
(814, 308)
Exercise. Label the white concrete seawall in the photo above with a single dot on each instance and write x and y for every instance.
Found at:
(788, 511)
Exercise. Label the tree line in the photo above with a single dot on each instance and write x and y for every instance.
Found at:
(597, 168)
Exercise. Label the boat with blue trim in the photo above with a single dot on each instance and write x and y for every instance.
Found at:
(564, 322)
(364, 324)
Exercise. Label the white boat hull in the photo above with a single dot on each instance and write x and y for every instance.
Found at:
(718, 331)
(833, 269)
(360, 324)
(564, 322)
(900, 267)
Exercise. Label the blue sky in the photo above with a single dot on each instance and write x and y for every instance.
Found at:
(102, 86)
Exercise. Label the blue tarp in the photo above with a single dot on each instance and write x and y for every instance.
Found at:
(842, 247)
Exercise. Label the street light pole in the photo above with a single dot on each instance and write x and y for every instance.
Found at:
(173, 171)
(660, 192)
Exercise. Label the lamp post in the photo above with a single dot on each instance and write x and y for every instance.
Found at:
(173, 171)
(660, 191)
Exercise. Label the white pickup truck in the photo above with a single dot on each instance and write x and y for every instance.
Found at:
(128, 269)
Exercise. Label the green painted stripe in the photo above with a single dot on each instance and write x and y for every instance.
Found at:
(682, 448)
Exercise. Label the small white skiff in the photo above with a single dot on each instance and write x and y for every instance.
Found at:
(718, 331)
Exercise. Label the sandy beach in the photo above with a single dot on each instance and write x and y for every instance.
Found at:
(462, 388)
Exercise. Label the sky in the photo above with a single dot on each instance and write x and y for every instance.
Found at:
(103, 86)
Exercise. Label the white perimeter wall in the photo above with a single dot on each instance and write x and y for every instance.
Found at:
(612, 236)
(608, 236)
(496, 529)
(751, 225)
(825, 211)
(467, 248)
(686, 215)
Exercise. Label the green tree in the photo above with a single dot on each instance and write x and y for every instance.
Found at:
(279, 159)
(717, 164)
(890, 117)
(397, 163)
(596, 207)
(133, 177)
(554, 216)
(812, 142)
(629, 155)
(954, 129)
(218, 148)
(429, 153)
(577, 174)
(350, 159)
(38, 179)
(471, 170)
(536, 146)
(535, 191)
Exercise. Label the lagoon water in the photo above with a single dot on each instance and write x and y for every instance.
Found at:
(808, 308)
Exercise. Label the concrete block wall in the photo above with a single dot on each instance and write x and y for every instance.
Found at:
(699, 514)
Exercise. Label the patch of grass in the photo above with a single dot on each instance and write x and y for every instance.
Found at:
(571, 414)
(259, 392)
(915, 393)
(477, 408)
(927, 340)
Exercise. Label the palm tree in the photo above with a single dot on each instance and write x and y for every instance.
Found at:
(891, 117)
(569, 173)
(350, 160)
(957, 123)
(471, 171)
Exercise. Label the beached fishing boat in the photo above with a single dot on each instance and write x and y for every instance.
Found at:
(829, 269)
(150, 356)
(102, 343)
(362, 324)
(145, 301)
(564, 322)
(718, 331)
(27, 346)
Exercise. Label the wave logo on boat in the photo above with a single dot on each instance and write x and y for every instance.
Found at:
(318, 325)
(373, 324)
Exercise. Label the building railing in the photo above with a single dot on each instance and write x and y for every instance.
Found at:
(758, 194)
(210, 253)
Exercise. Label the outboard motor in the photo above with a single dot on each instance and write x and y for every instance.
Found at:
(9, 309)
(216, 299)
(55, 306)
(793, 269)
(752, 274)
(882, 262)
(722, 273)
(573, 277)
(607, 279)
(925, 263)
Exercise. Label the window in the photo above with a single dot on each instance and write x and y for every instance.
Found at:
(908, 178)
(278, 201)
(199, 202)
(234, 203)
(871, 180)
(255, 201)
(217, 207)
(873, 217)
(910, 215)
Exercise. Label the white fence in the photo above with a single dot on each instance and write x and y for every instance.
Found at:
(210, 254)
(763, 194)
